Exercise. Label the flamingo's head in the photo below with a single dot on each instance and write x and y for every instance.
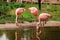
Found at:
(33, 10)
(20, 11)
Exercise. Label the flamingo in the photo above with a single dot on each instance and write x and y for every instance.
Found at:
(43, 18)
(34, 11)
(18, 12)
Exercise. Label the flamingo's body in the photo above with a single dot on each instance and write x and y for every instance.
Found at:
(46, 14)
(44, 17)
(34, 11)
(18, 12)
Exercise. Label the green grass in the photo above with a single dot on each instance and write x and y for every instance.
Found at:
(9, 9)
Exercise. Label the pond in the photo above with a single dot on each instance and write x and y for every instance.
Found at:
(50, 33)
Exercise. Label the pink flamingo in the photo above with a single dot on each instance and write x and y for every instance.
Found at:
(43, 18)
(18, 12)
(34, 11)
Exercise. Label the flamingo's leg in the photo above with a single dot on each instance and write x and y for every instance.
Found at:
(16, 20)
(46, 21)
(40, 22)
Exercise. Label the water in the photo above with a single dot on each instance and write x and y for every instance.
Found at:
(51, 33)
(3, 37)
(7, 35)
(23, 34)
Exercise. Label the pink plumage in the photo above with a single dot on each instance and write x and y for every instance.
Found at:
(19, 11)
(44, 16)
(33, 10)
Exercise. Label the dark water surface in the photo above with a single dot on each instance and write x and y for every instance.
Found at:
(29, 33)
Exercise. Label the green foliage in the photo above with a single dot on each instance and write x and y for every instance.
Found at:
(10, 18)
(9, 9)
(2, 20)
(5, 7)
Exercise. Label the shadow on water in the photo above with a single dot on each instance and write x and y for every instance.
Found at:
(52, 33)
